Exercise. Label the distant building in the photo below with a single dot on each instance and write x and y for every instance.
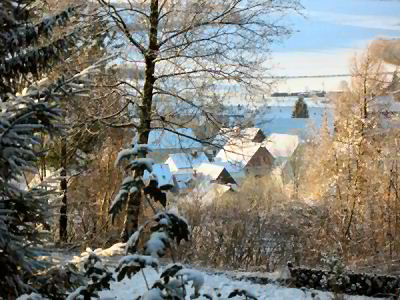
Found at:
(207, 192)
(185, 162)
(183, 181)
(281, 145)
(237, 134)
(163, 142)
(213, 173)
(247, 157)
(164, 176)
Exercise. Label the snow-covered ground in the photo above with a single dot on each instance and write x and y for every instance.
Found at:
(214, 284)
(215, 281)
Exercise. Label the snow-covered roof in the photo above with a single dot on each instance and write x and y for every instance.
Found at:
(238, 153)
(250, 132)
(207, 191)
(230, 167)
(184, 160)
(163, 173)
(281, 145)
(209, 170)
(164, 139)
(182, 179)
(215, 190)
(233, 135)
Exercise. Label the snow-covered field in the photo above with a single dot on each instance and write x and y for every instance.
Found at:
(278, 119)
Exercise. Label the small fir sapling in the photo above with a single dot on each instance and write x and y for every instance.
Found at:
(166, 228)
(98, 276)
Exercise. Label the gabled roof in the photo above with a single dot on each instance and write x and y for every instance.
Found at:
(162, 139)
(182, 179)
(230, 167)
(164, 175)
(215, 190)
(250, 132)
(281, 145)
(184, 160)
(234, 135)
(212, 171)
(207, 191)
(238, 154)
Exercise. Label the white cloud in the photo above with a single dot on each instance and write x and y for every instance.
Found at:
(363, 21)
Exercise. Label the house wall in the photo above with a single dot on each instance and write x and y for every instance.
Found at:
(261, 162)
(225, 178)
(260, 137)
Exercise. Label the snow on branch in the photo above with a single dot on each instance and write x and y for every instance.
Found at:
(142, 163)
(125, 154)
(189, 275)
(131, 264)
(168, 227)
(157, 245)
(118, 202)
(132, 243)
(242, 292)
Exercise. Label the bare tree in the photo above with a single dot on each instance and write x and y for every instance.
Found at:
(79, 136)
(387, 49)
(191, 53)
(356, 174)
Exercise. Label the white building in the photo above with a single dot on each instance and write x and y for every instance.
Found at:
(164, 176)
(282, 146)
(185, 162)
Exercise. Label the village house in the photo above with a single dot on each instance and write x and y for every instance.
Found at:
(281, 146)
(213, 173)
(164, 176)
(206, 192)
(163, 142)
(183, 182)
(242, 158)
(185, 162)
(233, 135)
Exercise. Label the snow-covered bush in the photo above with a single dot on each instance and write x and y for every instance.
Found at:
(53, 283)
(98, 276)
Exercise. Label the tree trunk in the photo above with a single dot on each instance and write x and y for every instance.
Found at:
(134, 201)
(63, 185)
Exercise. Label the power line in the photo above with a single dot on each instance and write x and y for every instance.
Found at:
(321, 76)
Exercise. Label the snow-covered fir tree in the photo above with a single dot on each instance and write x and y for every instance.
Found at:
(300, 109)
(29, 108)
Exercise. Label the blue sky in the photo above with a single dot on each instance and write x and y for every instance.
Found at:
(331, 32)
